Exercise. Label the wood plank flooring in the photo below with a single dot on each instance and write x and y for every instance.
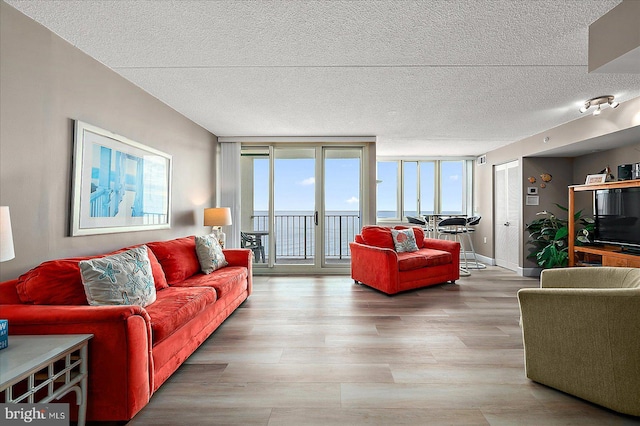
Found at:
(323, 351)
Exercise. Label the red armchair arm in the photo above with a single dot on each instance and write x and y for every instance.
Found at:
(241, 257)
(374, 266)
(120, 361)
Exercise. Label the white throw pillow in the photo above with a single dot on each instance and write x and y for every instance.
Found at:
(404, 240)
(119, 279)
(210, 253)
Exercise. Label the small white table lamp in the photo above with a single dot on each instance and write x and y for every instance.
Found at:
(218, 217)
(6, 236)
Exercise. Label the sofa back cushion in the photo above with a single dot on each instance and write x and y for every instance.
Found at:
(55, 282)
(377, 236)
(178, 258)
(380, 236)
(58, 282)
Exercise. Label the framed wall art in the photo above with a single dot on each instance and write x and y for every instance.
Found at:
(119, 185)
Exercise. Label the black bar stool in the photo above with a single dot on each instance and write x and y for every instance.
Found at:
(454, 227)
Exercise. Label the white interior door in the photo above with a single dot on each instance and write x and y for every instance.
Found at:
(507, 215)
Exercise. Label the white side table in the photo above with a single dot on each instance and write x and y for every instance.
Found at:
(51, 366)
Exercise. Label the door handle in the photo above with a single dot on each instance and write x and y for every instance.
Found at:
(316, 218)
(507, 224)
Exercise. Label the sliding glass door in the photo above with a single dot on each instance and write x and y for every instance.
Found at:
(295, 214)
(301, 205)
(342, 204)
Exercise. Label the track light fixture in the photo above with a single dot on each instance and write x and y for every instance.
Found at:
(599, 101)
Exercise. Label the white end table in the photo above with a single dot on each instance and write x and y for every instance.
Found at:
(48, 364)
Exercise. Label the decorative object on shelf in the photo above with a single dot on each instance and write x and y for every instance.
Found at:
(217, 217)
(625, 171)
(549, 237)
(546, 177)
(119, 185)
(531, 179)
(636, 171)
(595, 179)
(599, 101)
(7, 251)
(607, 172)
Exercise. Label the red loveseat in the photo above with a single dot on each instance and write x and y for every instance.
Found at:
(134, 350)
(375, 262)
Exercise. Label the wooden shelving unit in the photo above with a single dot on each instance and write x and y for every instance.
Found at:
(609, 256)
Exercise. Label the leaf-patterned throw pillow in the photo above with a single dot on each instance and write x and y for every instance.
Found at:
(210, 253)
(120, 279)
(404, 240)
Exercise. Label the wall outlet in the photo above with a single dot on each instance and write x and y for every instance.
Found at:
(485, 240)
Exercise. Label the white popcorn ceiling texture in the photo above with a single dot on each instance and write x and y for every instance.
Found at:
(428, 78)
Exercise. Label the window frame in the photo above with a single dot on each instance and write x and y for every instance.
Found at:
(467, 187)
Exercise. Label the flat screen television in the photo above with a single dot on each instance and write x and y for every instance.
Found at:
(617, 217)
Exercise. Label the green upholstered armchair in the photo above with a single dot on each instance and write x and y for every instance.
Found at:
(581, 333)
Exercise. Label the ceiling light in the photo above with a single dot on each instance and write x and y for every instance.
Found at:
(599, 101)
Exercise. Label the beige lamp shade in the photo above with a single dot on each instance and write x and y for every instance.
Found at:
(6, 236)
(217, 216)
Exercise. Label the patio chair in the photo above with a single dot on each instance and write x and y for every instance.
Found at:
(255, 244)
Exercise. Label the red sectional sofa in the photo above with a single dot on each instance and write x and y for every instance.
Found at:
(134, 350)
(375, 262)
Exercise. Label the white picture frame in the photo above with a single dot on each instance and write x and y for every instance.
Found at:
(119, 185)
(595, 179)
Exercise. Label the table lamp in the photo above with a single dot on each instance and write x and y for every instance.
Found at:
(6, 236)
(217, 217)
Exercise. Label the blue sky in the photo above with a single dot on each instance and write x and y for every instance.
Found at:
(451, 185)
(295, 184)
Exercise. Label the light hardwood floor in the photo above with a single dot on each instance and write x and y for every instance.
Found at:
(323, 351)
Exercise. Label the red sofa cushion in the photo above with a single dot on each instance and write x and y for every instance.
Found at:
(55, 282)
(422, 258)
(176, 306)
(224, 280)
(159, 279)
(178, 258)
(59, 282)
(378, 236)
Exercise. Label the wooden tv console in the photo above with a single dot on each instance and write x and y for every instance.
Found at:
(605, 255)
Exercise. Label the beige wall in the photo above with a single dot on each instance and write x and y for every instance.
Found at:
(46, 84)
(555, 192)
(626, 116)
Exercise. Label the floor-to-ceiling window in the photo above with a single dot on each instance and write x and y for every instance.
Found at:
(301, 204)
(423, 187)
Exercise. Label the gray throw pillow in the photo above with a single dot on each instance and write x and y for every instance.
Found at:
(119, 279)
(210, 253)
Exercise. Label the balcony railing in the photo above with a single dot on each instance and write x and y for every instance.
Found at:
(295, 235)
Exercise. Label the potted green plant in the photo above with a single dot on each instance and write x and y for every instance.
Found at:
(549, 236)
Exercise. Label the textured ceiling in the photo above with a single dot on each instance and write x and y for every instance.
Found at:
(428, 78)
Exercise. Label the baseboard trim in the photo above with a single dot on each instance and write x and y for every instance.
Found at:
(482, 259)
